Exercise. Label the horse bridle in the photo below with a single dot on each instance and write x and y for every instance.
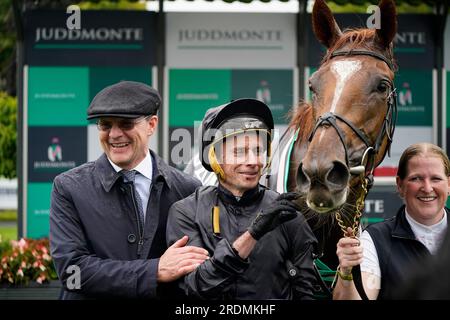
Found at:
(387, 128)
(366, 174)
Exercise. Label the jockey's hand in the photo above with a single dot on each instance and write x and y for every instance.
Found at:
(282, 210)
(350, 253)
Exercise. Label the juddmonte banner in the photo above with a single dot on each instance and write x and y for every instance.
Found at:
(216, 57)
(65, 70)
(413, 45)
(231, 40)
(127, 37)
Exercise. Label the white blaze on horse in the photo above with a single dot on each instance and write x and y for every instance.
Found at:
(333, 144)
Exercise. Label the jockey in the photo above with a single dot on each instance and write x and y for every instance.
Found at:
(260, 246)
(241, 116)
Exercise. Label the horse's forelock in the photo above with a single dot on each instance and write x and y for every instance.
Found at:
(353, 39)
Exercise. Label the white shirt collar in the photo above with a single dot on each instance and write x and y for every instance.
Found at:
(145, 167)
(438, 227)
(430, 236)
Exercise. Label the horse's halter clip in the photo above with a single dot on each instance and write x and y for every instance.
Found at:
(387, 128)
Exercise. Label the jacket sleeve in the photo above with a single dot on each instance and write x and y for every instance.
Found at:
(215, 276)
(97, 276)
(304, 246)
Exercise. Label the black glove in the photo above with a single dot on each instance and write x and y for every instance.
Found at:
(281, 211)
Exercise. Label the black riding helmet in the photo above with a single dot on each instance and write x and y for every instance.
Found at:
(237, 116)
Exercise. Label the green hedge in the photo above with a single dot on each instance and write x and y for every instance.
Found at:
(8, 135)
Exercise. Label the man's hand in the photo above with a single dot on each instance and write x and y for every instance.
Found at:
(179, 260)
(281, 211)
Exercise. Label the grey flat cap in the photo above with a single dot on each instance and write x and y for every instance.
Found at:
(126, 99)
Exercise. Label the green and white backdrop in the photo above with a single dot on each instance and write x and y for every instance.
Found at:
(210, 59)
(63, 71)
(218, 57)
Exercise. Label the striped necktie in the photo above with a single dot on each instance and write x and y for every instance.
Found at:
(130, 176)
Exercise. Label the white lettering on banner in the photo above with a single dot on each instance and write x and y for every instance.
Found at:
(41, 212)
(54, 95)
(412, 38)
(100, 34)
(47, 164)
(411, 108)
(374, 206)
(197, 96)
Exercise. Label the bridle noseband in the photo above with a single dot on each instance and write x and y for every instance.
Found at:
(387, 128)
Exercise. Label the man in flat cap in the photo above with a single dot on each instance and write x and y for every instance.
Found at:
(108, 217)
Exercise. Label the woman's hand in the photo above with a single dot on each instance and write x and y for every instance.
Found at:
(350, 254)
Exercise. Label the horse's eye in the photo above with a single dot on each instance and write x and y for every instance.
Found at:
(382, 87)
(312, 90)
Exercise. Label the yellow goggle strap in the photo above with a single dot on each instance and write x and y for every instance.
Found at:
(215, 164)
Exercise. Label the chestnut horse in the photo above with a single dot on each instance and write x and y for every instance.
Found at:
(334, 143)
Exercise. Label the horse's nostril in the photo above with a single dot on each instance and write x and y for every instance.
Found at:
(302, 178)
(338, 175)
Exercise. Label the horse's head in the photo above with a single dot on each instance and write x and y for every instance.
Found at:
(353, 106)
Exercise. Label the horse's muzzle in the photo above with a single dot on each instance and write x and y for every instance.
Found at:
(325, 185)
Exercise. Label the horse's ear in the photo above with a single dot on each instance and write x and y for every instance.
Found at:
(324, 26)
(388, 29)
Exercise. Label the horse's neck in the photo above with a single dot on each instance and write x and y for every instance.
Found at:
(304, 123)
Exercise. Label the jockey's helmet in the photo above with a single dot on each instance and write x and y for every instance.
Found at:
(236, 117)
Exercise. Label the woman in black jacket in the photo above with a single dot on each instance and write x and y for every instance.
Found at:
(390, 248)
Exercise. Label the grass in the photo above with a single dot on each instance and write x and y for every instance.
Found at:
(8, 215)
(8, 233)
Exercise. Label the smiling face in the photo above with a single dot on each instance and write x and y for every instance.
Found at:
(242, 159)
(126, 146)
(425, 188)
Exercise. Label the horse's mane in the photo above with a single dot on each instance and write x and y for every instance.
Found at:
(302, 115)
(359, 38)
